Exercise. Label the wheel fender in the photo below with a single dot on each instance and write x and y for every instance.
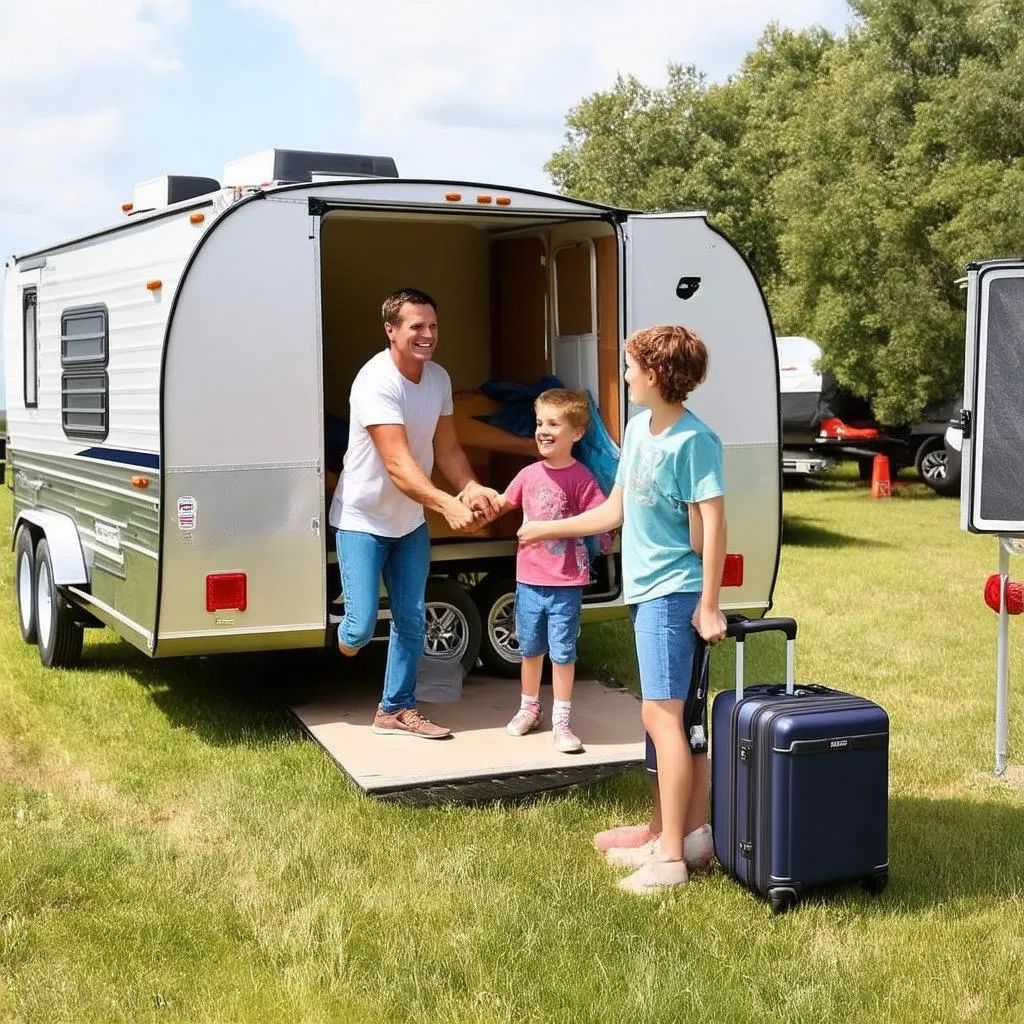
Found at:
(65, 545)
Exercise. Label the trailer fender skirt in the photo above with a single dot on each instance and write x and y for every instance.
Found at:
(61, 535)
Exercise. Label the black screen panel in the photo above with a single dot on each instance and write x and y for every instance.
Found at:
(1002, 407)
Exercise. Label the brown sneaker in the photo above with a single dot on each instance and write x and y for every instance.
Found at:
(407, 722)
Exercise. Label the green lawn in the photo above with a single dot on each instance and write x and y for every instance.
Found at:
(172, 849)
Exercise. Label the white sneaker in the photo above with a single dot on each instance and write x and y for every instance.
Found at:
(698, 851)
(655, 876)
(633, 856)
(699, 848)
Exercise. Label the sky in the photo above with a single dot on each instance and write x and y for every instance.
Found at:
(97, 96)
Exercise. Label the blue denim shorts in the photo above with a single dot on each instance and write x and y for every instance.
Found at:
(666, 644)
(548, 621)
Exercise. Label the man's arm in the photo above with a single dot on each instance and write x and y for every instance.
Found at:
(392, 444)
(452, 461)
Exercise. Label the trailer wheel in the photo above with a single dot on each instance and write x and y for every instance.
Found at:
(453, 627)
(25, 583)
(59, 636)
(495, 596)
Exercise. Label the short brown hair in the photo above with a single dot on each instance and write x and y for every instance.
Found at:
(675, 354)
(392, 305)
(573, 405)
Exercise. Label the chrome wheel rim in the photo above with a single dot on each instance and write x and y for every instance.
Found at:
(25, 590)
(934, 465)
(447, 632)
(501, 628)
(44, 603)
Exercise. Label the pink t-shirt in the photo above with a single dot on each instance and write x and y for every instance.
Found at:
(543, 494)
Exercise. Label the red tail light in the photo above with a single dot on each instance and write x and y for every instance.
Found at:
(732, 573)
(226, 590)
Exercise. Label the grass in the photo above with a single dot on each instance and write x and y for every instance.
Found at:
(172, 849)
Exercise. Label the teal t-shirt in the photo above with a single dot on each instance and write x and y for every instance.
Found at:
(659, 476)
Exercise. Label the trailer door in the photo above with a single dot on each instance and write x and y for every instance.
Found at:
(993, 448)
(678, 269)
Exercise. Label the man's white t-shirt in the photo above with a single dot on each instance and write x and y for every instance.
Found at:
(371, 503)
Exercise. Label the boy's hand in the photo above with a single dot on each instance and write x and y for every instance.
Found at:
(532, 532)
(710, 623)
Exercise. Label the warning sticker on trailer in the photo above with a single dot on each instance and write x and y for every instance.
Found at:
(187, 513)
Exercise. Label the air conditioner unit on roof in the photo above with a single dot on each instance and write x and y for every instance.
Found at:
(297, 165)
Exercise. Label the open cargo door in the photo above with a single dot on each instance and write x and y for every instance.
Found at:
(992, 500)
(680, 270)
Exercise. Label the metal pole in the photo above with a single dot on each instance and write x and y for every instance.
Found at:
(1002, 663)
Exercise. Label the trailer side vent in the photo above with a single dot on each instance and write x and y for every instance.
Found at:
(168, 189)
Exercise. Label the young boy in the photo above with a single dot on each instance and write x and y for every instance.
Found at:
(551, 574)
(671, 462)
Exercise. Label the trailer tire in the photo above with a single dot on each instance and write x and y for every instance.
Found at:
(453, 627)
(495, 596)
(59, 635)
(25, 583)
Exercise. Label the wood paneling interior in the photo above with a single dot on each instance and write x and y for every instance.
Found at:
(572, 274)
(519, 289)
(364, 260)
(609, 359)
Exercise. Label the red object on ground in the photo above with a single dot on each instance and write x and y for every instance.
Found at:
(1014, 595)
(835, 427)
(881, 484)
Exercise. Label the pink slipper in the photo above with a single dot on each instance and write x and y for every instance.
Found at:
(623, 837)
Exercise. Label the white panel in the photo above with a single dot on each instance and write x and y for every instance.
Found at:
(575, 362)
(740, 398)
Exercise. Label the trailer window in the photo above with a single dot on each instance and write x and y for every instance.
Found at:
(30, 342)
(83, 337)
(84, 385)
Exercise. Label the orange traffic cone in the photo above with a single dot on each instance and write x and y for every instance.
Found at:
(881, 485)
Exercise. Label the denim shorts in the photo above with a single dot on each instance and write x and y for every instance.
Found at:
(548, 621)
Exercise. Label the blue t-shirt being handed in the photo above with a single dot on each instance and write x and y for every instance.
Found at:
(660, 474)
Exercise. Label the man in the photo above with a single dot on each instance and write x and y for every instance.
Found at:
(401, 421)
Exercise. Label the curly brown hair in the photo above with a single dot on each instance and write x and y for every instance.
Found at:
(676, 355)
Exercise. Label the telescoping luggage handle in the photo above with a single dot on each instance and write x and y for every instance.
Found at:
(741, 628)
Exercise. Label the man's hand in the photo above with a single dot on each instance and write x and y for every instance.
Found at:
(710, 623)
(485, 502)
(459, 516)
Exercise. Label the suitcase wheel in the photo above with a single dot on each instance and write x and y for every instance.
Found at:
(876, 883)
(781, 900)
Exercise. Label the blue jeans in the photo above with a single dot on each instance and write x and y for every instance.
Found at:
(548, 621)
(404, 562)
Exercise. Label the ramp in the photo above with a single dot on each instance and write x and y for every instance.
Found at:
(481, 761)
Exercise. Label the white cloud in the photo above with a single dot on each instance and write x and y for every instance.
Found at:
(65, 68)
(454, 78)
(48, 38)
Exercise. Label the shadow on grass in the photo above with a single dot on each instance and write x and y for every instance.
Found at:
(946, 850)
(238, 698)
(804, 533)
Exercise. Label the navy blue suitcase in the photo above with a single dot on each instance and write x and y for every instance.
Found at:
(799, 782)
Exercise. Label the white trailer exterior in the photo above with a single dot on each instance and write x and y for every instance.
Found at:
(166, 386)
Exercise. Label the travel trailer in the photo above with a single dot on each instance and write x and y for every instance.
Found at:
(169, 377)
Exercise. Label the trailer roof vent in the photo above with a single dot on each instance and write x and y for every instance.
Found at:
(168, 189)
(298, 165)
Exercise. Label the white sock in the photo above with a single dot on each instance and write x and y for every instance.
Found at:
(560, 710)
(528, 702)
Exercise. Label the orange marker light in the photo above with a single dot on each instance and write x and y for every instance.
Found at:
(197, 218)
(154, 286)
(142, 482)
(483, 199)
(127, 207)
(503, 201)
(453, 197)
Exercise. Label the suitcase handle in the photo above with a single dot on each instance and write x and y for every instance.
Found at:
(741, 627)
